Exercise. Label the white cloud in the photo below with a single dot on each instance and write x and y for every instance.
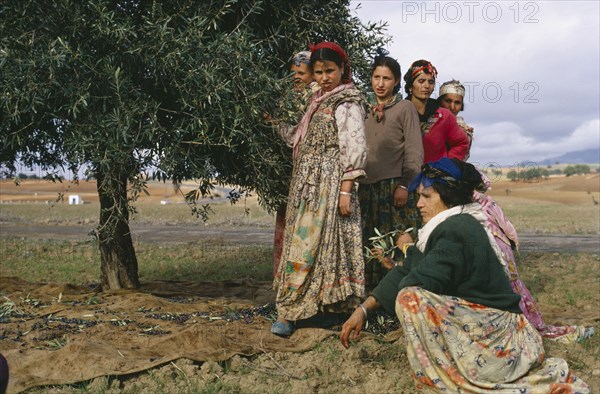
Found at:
(506, 143)
(586, 136)
(557, 54)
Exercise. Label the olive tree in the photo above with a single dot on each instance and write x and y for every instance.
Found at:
(135, 90)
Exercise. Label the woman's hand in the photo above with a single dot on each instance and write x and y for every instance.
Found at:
(355, 323)
(268, 119)
(345, 199)
(387, 263)
(352, 326)
(404, 239)
(400, 197)
(344, 205)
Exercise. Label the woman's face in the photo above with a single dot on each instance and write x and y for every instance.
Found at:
(429, 203)
(301, 74)
(452, 102)
(423, 86)
(327, 74)
(383, 83)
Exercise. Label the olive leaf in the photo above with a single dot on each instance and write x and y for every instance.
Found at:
(384, 242)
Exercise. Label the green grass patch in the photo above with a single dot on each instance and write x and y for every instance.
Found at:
(562, 279)
(79, 262)
(547, 218)
(244, 213)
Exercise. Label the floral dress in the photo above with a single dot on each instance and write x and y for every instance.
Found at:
(322, 268)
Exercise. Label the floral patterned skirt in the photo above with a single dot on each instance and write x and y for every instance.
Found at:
(456, 346)
(321, 268)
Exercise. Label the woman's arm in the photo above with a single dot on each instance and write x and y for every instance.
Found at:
(356, 321)
(457, 139)
(413, 143)
(350, 122)
(287, 133)
(349, 118)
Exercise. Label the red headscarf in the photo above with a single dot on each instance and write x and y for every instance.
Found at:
(347, 76)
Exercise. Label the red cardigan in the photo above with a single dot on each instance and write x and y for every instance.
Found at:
(445, 138)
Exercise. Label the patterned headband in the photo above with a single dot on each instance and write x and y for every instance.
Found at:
(452, 87)
(445, 171)
(415, 71)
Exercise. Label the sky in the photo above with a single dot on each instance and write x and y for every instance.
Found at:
(531, 69)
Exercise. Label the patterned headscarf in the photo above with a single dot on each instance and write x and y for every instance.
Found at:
(417, 68)
(347, 77)
(452, 87)
(447, 172)
(301, 58)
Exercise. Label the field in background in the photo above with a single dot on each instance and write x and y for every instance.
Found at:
(558, 205)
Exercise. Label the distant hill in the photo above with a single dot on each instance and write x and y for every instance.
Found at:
(588, 156)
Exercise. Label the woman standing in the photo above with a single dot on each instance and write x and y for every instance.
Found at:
(442, 137)
(394, 158)
(304, 87)
(452, 97)
(322, 267)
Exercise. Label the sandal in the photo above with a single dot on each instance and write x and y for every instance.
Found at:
(282, 329)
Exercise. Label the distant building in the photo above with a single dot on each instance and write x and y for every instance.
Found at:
(75, 199)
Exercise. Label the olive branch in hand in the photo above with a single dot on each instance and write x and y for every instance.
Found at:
(385, 242)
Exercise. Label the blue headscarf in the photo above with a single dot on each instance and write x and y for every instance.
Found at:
(447, 172)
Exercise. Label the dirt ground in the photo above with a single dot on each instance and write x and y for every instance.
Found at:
(181, 337)
(184, 337)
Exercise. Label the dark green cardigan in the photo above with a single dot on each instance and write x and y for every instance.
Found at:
(458, 261)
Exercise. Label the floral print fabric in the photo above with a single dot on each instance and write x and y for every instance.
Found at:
(456, 346)
(321, 267)
(506, 236)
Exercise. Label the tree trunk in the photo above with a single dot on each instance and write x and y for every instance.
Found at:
(119, 268)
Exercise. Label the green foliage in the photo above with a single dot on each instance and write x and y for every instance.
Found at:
(528, 174)
(386, 242)
(174, 89)
(133, 90)
(577, 169)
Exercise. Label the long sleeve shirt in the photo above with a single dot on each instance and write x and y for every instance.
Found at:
(445, 138)
(459, 261)
(395, 144)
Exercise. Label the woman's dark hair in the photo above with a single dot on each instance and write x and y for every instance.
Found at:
(461, 193)
(408, 77)
(326, 54)
(383, 60)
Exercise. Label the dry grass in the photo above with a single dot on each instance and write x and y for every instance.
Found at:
(559, 205)
(567, 286)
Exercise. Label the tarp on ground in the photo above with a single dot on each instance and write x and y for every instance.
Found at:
(60, 334)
